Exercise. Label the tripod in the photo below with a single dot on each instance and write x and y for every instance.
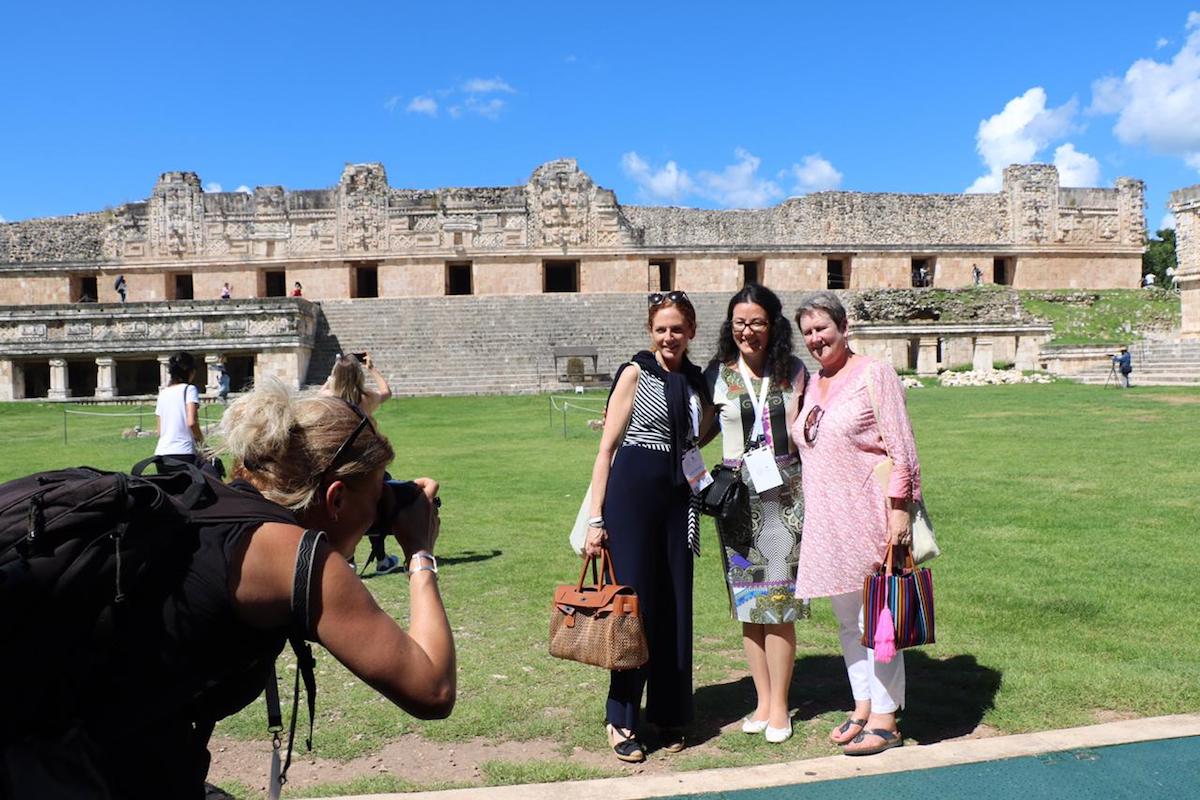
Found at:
(1112, 377)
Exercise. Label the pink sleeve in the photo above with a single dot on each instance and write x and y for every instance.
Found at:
(896, 430)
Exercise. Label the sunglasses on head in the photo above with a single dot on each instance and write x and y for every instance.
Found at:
(657, 298)
(340, 454)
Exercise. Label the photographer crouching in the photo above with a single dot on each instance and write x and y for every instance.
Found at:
(199, 643)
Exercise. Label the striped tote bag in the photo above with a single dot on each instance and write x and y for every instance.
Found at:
(899, 603)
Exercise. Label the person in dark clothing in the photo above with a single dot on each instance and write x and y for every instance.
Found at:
(1124, 363)
(205, 651)
(120, 286)
(642, 512)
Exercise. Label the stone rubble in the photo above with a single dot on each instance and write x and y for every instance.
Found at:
(993, 377)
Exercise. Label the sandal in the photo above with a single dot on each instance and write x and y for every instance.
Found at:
(626, 748)
(839, 734)
(889, 739)
(673, 740)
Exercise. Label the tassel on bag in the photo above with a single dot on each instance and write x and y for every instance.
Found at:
(885, 637)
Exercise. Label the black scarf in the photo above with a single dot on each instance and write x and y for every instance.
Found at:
(678, 411)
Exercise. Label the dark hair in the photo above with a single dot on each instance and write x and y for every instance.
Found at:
(180, 366)
(779, 340)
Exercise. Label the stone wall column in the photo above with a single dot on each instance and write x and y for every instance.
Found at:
(106, 378)
(1185, 205)
(164, 372)
(1028, 348)
(9, 372)
(983, 359)
(59, 390)
(212, 385)
(927, 363)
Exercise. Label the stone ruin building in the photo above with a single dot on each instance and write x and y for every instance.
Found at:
(490, 289)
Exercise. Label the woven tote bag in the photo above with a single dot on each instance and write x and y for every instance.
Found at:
(598, 624)
(908, 596)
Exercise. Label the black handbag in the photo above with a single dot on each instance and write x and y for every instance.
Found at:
(726, 495)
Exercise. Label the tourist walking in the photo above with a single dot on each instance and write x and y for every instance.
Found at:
(177, 412)
(347, 380)
(756, 384)
(852, 419)
(120, 287)
(223, 382)
(643, 513)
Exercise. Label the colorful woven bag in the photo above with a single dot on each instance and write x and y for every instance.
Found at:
(905, 600)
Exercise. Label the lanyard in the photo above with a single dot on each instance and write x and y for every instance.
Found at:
(758, 405)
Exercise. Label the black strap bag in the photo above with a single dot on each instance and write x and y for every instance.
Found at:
(726, 495)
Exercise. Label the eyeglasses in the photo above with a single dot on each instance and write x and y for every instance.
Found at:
(755, 325)
(812, 424)
(364, 421)
(657, 298)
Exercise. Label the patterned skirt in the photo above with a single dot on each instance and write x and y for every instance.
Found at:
(760, 549)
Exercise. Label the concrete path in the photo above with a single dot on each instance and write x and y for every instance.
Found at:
(1155, 757)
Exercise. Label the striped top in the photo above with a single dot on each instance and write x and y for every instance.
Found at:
(650, 419)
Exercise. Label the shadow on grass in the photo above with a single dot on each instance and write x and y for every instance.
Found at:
(470, 557)
(947, 698)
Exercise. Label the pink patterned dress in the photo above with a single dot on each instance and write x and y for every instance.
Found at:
(845, 515)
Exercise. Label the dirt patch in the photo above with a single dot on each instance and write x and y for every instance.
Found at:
(1107, 715)
(414, 759)
(1174, 399)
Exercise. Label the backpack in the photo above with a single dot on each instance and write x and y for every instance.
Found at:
(79, 548)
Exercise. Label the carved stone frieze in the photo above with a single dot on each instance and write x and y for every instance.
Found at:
(362, 203)
(177, 215)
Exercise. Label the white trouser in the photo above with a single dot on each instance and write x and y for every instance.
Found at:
(882, 684)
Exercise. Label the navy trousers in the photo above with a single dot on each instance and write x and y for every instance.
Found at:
(646, 519)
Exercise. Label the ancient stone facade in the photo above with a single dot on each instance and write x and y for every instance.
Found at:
(562, 232)
(1185, 205)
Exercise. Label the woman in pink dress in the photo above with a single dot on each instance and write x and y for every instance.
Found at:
(849, 519)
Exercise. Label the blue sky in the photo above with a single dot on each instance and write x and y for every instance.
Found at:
(700, 104)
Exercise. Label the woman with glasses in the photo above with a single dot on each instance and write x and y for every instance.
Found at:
(756, 385)
(852, 419)
(642, 512)
(348, 381)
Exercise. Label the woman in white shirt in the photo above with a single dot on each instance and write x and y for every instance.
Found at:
(177, 412)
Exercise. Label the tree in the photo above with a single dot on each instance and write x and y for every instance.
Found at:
(1159, 257)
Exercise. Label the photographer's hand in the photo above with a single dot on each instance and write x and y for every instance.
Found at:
(416, 526)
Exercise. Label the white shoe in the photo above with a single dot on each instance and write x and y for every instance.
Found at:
(777, 735)
(753, 726)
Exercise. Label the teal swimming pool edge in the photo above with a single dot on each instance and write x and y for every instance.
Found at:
(905, 759)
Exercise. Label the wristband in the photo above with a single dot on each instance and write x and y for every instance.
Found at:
(422, 561)
(596, 522)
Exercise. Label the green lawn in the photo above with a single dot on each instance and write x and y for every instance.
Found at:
(1114, 316)
(1068, 516)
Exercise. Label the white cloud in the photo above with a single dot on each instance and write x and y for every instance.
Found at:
(455, 111)
(1158, 104)
(1076, 168)
(2, 219)
(1167, 222)
(489, 108)
(391, 103)
(668, 183)
(1161, 43)
(244, 189)
(1016, 135)
(738, 185)
(213, 186)
(422, 105)
(815, 174)
(487, 86)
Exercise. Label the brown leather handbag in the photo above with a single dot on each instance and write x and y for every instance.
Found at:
(598, 624)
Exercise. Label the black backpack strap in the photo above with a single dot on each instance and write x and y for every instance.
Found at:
(306, 553)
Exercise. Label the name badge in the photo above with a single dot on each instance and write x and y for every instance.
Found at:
(695, 471)
(760, 463)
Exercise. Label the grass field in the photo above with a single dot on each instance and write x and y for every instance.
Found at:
(1068, 516)
(1110, 319)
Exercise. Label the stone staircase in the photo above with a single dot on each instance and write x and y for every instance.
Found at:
(1167, 362)
(496, 344)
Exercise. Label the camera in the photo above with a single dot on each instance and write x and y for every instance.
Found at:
(396, 496)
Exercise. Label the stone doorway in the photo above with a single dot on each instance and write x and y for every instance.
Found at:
(275, 283)
(81, 378)
(37, 378)
(837, 273)
(137, 377)
(1002, 271)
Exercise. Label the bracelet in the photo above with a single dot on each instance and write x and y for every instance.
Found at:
(420, 557)
(596, 522)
